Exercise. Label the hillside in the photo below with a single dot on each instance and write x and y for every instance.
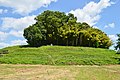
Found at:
(59, 55)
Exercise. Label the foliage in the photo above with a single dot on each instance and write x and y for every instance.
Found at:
(60, 55)
(118, 52)
(118, 42)
(57, 28)
(4, 52)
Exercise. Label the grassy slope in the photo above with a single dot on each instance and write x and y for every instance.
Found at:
(43, 72)
(59, 55)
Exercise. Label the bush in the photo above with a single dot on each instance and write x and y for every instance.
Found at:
(118, 52)
(4, 52)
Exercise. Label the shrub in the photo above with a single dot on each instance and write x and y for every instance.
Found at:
(118, 52)
(4, 52)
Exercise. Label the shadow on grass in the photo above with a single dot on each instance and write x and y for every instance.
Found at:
(26, 46)
(29, 46)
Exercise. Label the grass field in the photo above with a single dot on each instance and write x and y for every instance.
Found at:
(59, 55)
(47, 72)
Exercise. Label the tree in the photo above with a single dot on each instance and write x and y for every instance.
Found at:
(34, 35)
(118, 42)
(57, 28)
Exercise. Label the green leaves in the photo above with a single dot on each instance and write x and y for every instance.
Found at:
(54, 27)
(118, 42)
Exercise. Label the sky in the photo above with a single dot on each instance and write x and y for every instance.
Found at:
(16, 15)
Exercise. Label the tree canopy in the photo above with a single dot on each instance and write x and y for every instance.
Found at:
(118, 42)
(57, 28)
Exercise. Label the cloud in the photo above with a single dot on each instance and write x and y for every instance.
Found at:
(95, 27)
(113, 37)
(3, 11)
(24, 7)
(16, 33)
(3, 36)
(17, 24)
(111, 25)
(18, 42)
(13, 43)
(91, 12)
(2, 45)
(13, 27)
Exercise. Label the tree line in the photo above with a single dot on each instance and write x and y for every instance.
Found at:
(58, 28)
(117, 47)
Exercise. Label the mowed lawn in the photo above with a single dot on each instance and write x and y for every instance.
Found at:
(59, 55)
(59, 63)
(49, 72)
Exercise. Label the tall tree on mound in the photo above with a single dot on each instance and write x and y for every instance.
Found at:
(54, 27)
(118, 42)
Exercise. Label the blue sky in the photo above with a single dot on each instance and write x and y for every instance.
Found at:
(16, 15)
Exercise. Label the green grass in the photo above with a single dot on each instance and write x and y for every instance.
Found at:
(60, 55)
(47, 72)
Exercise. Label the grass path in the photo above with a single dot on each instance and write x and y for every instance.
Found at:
(48, 72)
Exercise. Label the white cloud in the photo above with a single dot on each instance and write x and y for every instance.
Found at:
(111, 25)
(16, 33)
(13, 43)
(2, 45)
(3, 11)
(18, 42)
(3, 35)
(91, 12)
(113, 37)
(13, 27)
(25, 7)
(95, 27)
(17, 24)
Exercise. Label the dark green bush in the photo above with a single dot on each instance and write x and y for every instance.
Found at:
(4, 52)
(118, 52)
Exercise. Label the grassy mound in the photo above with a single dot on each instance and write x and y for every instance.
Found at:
(60, 55)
